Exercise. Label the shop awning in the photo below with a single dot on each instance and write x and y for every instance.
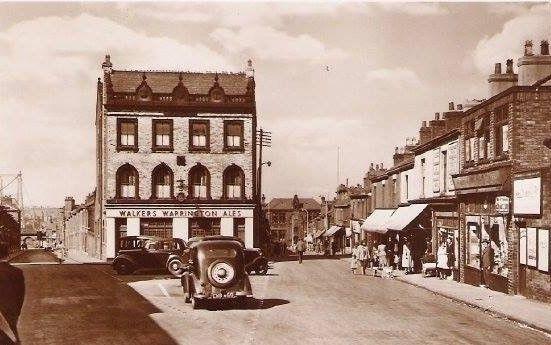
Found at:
(332, 231)
(482, 182)
(404, 216)
(319, 233)
(376, 222)
(309, 238)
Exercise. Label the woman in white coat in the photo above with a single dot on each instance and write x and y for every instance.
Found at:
(442, 260)
(407, 262)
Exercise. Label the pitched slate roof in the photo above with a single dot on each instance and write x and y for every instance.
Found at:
(287, 204)
(165, 82)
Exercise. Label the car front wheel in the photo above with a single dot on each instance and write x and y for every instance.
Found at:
(124, 267)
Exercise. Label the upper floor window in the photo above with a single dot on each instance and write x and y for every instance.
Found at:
(127, 134)
(127, 182)
(501, 129)
(233, 135)
(199, 135)
(234, 186)
(483, 134)
(162, 135)
(162, 184)
(199, 182)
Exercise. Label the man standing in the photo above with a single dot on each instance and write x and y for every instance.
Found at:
(300, 249)
(487, 261)
(362, 255)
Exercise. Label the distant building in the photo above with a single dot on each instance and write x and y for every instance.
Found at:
(80, 233)
(290, 218)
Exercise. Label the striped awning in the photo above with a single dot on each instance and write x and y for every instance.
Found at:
(376, 222)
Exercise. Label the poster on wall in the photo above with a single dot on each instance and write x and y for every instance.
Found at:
(527, 196)
(531, 247)
(522, 246)
(543, 250)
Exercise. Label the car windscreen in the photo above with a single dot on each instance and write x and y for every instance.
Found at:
(215, 253)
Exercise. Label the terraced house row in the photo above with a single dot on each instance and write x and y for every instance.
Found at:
(478, 175)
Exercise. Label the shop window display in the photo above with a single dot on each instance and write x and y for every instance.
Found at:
(498, 241)
(473, 245)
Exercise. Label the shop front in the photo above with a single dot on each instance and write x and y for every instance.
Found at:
(446, 233)
(178, 222)
(484, 199)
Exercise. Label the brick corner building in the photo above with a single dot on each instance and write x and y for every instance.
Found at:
(176, 154)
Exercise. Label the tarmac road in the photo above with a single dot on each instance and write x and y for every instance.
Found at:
(318, 302)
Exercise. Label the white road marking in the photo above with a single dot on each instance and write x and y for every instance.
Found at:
(163, 290)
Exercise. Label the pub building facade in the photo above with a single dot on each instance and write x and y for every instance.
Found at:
(176, 155)
(504, 187)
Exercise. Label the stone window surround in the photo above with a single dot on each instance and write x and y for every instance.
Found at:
(154, 146)
(120, 147)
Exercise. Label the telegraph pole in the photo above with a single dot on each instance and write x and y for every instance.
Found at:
(264, 139)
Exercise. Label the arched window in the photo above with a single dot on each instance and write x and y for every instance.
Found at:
(127, 180)
(234, 182)
(199, 182)
(162, 182)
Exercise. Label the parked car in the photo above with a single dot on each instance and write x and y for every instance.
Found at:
(147, 252)
(255, 261)
(215, 271)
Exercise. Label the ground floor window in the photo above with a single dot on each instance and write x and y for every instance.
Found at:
(161, 227)
(473, 244)
(239, 228)
(199, 227)
(120, 231)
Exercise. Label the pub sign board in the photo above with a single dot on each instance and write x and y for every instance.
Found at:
(527, 196)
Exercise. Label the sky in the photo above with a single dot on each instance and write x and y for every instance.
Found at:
(356, 76)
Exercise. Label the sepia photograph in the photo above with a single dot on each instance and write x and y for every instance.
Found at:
(275, 172)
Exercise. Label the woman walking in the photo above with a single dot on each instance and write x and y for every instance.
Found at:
(407, 262)
(442, 261)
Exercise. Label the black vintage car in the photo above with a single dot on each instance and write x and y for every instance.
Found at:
(147, 252)
(215, 271)
(255, 261)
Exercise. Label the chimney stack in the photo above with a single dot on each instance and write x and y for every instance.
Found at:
(509, 69)
(528, 51)
(396, 149)
(371, 166)
(382, 166)
(460, 107)
(249, 70)
(377, 167)
(437, 116)
(497, 68)
(544, 47)
(424, 124)
(107, 66)
(451, 106)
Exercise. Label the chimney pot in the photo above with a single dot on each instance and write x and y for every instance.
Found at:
(460, 107)
(377, 167)
(451, 106)
(371, 166)
(249, 70)
(528, 48)
(509, 66)
(396, 149)
(497, 68)
(437, 116)
(544, 47)
(424, 124)
(382, 166)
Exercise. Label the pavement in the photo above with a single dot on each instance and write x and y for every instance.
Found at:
(78, 257)
(317, 302)
(517, 308)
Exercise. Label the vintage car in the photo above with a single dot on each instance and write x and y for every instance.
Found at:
(215, 271)
(147, 252)
(255, 261)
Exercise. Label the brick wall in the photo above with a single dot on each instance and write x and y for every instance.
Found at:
(145, 160)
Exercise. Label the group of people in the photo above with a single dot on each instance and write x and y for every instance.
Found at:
(445, 258)
(383, 255)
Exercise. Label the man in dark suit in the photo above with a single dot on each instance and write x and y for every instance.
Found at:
(487, 260)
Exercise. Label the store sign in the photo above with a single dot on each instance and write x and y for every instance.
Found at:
(502, 204)
(179, 213)
(527, 196)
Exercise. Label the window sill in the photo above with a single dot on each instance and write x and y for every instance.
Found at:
(162, 149)
(230, 149)
(199, 149)
(127, 149)
(501, 157)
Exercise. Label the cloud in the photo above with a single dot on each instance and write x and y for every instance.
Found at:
(231, 14)
(48, 72)
(270, 44)
(416, 9)
(533, 25)
(396, 78)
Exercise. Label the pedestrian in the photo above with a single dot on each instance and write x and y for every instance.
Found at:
(354, 260)
(301, 247)
(363, 256)
(374, 257)
(442, 260)
(381, 254)
(407, 262)
(487, 260)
